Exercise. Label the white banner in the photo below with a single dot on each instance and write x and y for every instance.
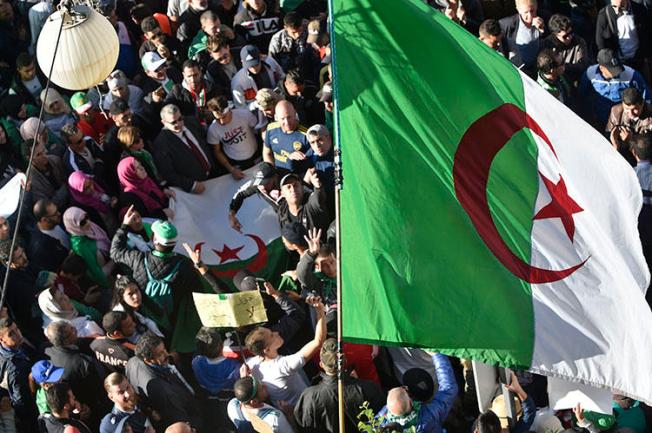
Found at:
(10, 195)
(203, 219)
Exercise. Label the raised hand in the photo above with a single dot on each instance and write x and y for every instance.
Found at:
(314, 241)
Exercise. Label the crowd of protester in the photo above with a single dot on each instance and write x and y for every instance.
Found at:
(95, 332)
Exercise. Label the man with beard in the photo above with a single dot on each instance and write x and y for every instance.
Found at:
(222, 63)
(193, 94)
(49, 179)
(155, 40)
(126, 409)
(21, 291)
(211, 26)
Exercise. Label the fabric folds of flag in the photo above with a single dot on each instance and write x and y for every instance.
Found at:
(479, 216)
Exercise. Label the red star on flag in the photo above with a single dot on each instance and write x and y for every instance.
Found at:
(561, 206)
(228, 253)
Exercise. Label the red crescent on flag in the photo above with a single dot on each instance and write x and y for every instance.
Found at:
(256, 265)
(475, 153)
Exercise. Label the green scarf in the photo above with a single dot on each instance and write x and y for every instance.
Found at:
(409, 420)
(145, 158)
(329, 289)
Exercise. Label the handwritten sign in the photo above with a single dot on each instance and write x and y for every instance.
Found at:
(230, 310)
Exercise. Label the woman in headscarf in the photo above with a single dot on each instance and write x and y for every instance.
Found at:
(56, 306)
(131, 140)
(141, 192)
(90, 196)
(28, 130)
(91, 243)
(57, 111)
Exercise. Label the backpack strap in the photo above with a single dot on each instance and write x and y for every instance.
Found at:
(172, 273)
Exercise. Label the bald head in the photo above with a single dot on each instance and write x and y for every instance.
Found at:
(398, 401)
(286, 115)
(179, 427)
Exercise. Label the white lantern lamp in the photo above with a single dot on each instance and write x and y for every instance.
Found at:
(87, 49)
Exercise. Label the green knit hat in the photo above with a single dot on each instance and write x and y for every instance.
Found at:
(80, 103)
(164, 233)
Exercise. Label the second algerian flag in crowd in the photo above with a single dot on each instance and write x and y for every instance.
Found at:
(479, 216)
(202, 222)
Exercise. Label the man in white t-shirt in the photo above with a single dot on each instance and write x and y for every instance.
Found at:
(283, 375)
(233, 137)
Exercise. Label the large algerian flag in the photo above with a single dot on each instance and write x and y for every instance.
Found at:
(479, 216)
(202, 221)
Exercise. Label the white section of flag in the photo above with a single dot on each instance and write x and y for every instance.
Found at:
(204, 218)
(594, 326)
(10, 195)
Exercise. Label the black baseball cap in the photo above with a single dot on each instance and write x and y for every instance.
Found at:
(250, 56)
(610, 60)
(266, 171)
(288, 177)
(419, 383)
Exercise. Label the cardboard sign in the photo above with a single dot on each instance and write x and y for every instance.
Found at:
(230, 310)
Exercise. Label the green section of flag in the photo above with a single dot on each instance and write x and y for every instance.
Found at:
(188, 323)
(415, 272)
(290, 5)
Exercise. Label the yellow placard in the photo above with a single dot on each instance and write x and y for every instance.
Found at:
(230, 310)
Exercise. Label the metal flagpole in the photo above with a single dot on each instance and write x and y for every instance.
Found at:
(28, 172)
(338, 235)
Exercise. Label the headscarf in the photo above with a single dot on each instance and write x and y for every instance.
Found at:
(72, 219)
(51, 309)
(146, 189)
(28, 128)
(76, 186)
(53, 313)
(53, 96)
(146, 159)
